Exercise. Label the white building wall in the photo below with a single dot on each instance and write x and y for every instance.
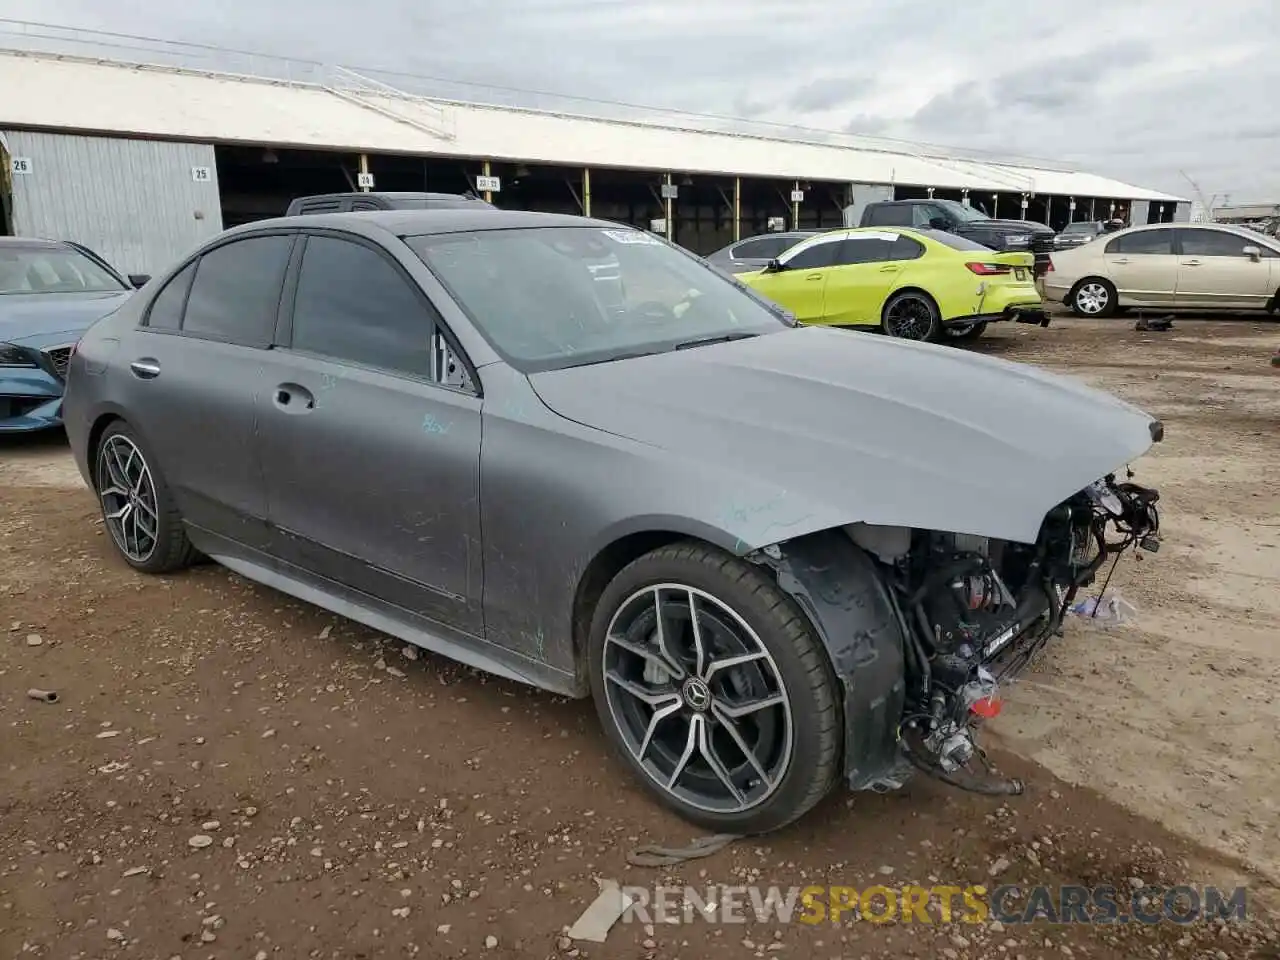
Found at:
(141, 204)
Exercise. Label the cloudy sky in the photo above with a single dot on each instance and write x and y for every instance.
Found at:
(1142, 90)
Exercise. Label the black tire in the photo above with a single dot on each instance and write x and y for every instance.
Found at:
(802, 667)
(965, 334)
(168, 549)
(925, 325)
(1093, 297)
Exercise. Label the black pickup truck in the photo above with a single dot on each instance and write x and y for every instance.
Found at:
(964, 221)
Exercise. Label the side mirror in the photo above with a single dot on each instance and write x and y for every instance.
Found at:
(1252, 252)
(773, 266)
(938, 223)
(138, 280)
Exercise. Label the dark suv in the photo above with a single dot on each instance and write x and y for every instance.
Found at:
(345, 202)
(964, 221)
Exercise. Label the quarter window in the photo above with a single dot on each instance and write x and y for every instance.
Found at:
(1147, 242)
(236, 291)
(353, 306)
(166, 308)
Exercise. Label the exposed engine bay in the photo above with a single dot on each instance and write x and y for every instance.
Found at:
(976, 612)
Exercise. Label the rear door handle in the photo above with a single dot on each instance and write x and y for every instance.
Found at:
(1121, 260)
(1191, 263)
(145, 368)
(890, 269)
(292, 398)
(814, 276)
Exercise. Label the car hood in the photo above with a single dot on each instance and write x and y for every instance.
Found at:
(39, 319)
(1016, 226)
(812, 428)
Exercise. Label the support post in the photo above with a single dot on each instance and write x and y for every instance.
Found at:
(668, 210)
(795, 209)
(737, 209)
(586, 191)
(488, 194)
(364, 168)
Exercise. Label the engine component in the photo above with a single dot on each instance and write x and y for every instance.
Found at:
(977, 612)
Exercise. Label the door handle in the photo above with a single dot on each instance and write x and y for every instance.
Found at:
(1191, 263)
(814, 276)
(292, 398)
(1120, 260)
(145, 368)
(890, 269)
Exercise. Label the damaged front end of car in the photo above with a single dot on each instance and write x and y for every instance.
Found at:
(924, 628)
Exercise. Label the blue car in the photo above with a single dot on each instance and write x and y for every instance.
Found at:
(51, 291)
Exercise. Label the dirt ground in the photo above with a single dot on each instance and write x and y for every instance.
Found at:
(360, 804)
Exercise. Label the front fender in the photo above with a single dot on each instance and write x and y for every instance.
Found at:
(840, 590)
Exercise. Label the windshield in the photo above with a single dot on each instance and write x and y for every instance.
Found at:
(52, 270)
(1086, 226)
(961, 212)
(553, 297)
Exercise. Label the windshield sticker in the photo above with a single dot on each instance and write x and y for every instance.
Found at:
(632, 236)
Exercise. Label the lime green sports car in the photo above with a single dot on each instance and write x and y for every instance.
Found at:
(914, 284)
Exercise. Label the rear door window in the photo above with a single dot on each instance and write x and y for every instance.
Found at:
(1144, 242)
(763, 248)
(235, 295)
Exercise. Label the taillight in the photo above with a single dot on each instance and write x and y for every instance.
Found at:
(989, 269)
(1048, 267)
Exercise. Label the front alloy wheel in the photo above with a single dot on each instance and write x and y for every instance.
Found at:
(715, 689)
(697, 698)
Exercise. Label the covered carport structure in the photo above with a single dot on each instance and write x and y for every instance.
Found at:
(117, 158)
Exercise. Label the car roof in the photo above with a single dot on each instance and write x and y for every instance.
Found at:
(410, 223)
(390, 195)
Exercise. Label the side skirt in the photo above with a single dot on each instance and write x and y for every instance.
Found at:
(348, 602)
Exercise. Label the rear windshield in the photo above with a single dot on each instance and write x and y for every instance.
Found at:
(1085, 227)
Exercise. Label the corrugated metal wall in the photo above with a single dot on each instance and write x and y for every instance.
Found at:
(135, 202)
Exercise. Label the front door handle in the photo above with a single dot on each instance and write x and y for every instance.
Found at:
(814, 276)
(145, 368)
(292, 398)
(1121, 260)
(1191, 263)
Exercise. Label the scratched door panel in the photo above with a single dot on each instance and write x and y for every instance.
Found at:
(377, 484)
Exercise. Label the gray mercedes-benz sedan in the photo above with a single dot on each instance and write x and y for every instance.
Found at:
(775, 557)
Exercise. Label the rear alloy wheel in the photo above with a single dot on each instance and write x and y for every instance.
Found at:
(966, 332)
(137, 508)
(1093, 298)
(912, 316)
(713, 688)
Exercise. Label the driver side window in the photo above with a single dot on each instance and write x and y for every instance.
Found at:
(821, 253)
